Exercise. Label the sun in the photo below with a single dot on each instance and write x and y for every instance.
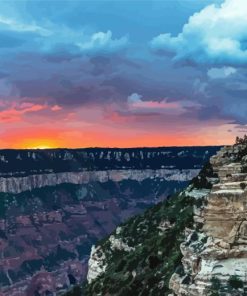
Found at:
(41, 147)
(39, 144)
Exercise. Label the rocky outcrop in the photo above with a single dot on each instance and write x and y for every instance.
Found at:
(216, 248)
(96, 263)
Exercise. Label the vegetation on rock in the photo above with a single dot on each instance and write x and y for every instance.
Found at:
(146, 270)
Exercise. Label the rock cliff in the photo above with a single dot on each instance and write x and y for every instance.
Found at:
(215, 251)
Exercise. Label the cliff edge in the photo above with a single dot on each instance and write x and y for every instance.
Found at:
(215, 252)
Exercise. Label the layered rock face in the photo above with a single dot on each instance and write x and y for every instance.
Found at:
(55, 204)
(27, 183)
(215, 251)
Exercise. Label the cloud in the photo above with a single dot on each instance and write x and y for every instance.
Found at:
(134, 98)
(201, 88)
(80, 79)
(103, 41)
(7, 89)
(15, 111)
(220, 73)
(13, 25)
(56, 108)
(136, 104)
(46, 36)
(215, 35)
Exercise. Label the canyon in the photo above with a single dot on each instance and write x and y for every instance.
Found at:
(55, 204)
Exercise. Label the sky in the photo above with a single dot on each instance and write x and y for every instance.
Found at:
(122, 73)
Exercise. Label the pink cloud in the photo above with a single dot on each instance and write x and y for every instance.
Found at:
(156, 105)
(56, 108)
(15, 111)
(135, 103)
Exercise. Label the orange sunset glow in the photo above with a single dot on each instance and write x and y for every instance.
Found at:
(163, 124)
(108, 137)
(38, 144)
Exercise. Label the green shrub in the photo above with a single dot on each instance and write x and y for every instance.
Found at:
(215, 287)
(242, 186)
(235, 282)
(194, 236)
(76, 291)
(186, 280)
(180, 270)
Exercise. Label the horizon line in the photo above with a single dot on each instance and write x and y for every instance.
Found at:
(108, 147)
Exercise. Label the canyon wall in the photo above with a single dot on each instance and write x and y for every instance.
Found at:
(20, 184)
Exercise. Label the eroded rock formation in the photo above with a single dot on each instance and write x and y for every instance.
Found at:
(216, 248)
